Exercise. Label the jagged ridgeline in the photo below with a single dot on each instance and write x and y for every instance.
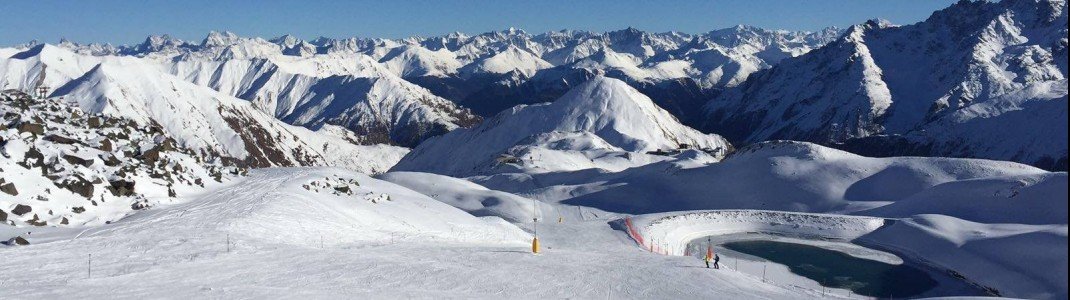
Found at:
(978, 79)
(64, 167)
(403, 91)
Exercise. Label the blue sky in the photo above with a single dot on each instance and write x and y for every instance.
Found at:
(127, 22)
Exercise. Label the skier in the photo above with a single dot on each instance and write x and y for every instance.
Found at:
(709, 253)
(716, 262)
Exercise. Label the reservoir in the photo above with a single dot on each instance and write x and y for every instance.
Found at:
(829, 266)
(836, 269)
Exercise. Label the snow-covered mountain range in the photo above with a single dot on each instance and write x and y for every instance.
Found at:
(488, 73)
(990, 85)
(197, 117)
(977, 79)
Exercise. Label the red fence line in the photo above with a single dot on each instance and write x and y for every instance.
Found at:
(633, 233)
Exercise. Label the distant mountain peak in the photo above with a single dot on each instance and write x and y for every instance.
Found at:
(218, 39)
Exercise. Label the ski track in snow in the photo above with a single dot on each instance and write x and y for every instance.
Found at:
(177, 252)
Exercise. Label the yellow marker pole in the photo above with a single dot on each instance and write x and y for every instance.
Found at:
(535, 225)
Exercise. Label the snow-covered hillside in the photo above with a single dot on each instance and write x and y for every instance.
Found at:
(471, 197)
(1016, 260)
(297, 206)
(792, 176)
(1023, 199)
(197, 117)
(512, 59)
(414, 61)
(310, 207)
(60, 166)
(602, 123)
(978, 79)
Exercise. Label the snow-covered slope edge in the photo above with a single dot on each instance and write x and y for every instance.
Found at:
(671, 232)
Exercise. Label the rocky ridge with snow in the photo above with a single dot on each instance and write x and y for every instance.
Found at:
(64, 167)
(197, 117)
(978, 79)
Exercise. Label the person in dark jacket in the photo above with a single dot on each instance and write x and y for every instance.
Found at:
(716, 261)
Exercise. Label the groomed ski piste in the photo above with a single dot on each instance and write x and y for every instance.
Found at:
(266, 235)
(332, 233)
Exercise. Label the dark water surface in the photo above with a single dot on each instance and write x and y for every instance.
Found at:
(840, 270)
